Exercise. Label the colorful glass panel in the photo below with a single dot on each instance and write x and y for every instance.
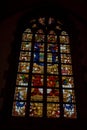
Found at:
(64, 39)
(70, 110)
(37, 80)
(26, 46)
(52, 38)
(52, 81)
(38, 47)
(65, 58)
(64, 48)
(53, 110)
(52, 57)
(26, 37)
(36, 94)
(20, 93)
(23, 67)
(68, 95)
(38, 68)
(67, 82)
(41, 21)
(18, 108)
(36, 109)
(25, 56)
(22, 79)
(38, 57)
(52, 48)
(52, 95)
(52, 69)
(44, 61)
(39, 37)
(66, 69)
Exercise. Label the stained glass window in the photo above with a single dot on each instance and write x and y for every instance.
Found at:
(45, 82)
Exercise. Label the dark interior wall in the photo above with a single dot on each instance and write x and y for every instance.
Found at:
(8, 27)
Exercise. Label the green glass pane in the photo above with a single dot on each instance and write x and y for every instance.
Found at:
(26, 46)
(68, 95)
(25, 56)
(52, 95)
(20, 93)
(22, 79)
(23, 67)
(66, 69)
(53, 110)
(36, 94)
(67, 82)
(36, 109)
(18, 108)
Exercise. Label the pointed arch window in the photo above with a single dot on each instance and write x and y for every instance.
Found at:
(45, 83)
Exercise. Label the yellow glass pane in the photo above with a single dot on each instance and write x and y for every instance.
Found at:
(36, 94)
(53, 110)
(36, 109)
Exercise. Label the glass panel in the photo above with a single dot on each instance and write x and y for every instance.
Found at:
(36, 109)
(52, 38)
(52, 95)
(26, 37)
(52, 57)
(18, 108)
(38, 68)
(37, 80)
(68, 95)
(22, 79)
(41, 20)
(23, 67)
(25, 56)
(38, 47)
(64, 48)
(67, 82)
(64, 39)
(28, 30)
(26, 46)
(52, 69)
(52, 48)
(66, 69)
(20, 93)
(36, 94)
(52, 81)
(39, 37)
(65, 58)
(64, 33)
(69, 110)
(51, 20)
(53, 110)
(38, 57)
